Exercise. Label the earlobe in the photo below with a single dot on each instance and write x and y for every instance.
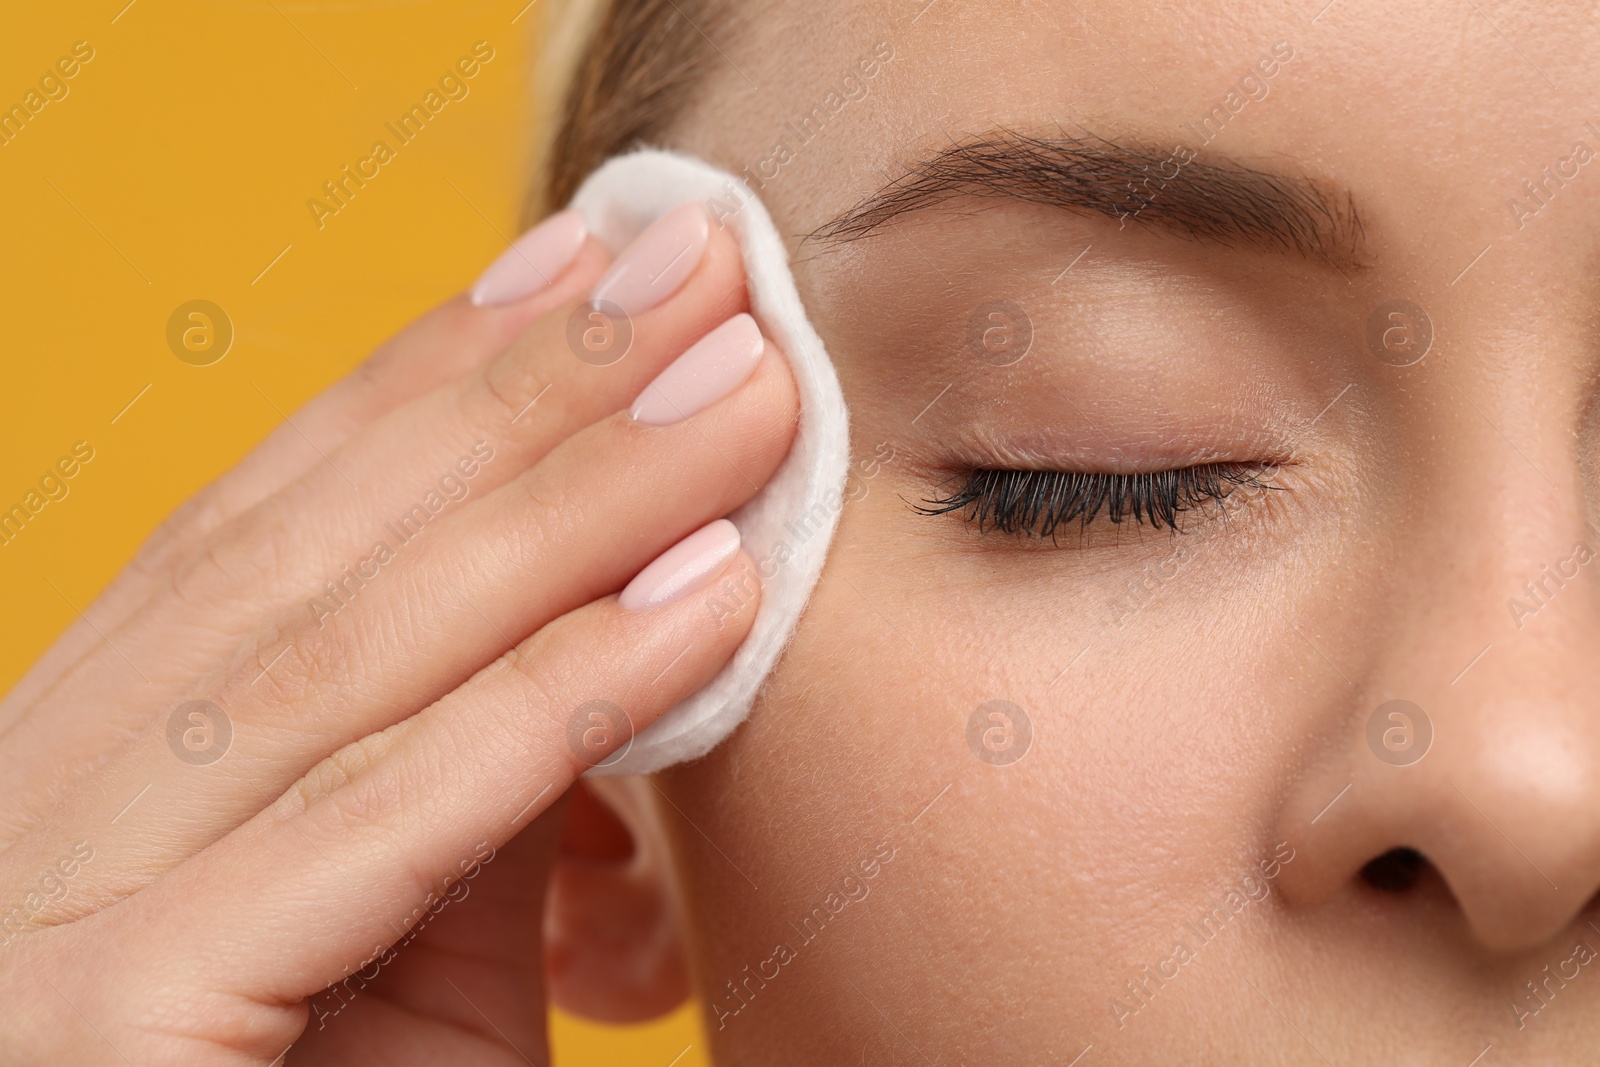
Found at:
(613, 939)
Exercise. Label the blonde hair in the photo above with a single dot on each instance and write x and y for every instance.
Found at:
(614, 74)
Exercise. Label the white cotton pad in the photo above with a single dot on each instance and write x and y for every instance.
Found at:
(786, 528)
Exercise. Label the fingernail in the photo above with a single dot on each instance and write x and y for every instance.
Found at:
(533, 261)
(689, 565)
(713, 367)
(657, 262)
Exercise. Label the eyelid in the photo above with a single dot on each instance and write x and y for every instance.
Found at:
(1107, 447)
(1040, 503)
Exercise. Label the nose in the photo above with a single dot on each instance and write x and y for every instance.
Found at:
(1472, 737)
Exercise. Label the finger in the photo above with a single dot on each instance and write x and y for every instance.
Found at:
(572, 528)
(475, 955)
(303, 536)
(289, 548)
(441, 345)
(332, 874)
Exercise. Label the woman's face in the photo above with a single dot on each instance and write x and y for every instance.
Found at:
(1343, 260)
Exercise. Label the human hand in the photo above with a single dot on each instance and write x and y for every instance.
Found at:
(326, 727)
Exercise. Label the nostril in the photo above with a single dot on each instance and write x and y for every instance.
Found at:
(1396, 871)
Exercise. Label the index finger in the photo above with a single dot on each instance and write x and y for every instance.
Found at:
(349, 852)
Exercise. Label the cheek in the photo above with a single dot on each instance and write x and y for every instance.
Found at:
(1147, 730)
(862, 738)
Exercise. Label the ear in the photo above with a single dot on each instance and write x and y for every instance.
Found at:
(613, 941)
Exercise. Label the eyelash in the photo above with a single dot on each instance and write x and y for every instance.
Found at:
(1041, 502)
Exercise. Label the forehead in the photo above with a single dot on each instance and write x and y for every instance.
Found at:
(1433, 114)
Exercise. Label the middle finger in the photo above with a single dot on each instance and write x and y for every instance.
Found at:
(573, 528)
(323, 526)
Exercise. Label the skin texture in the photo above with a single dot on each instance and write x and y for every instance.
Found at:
(1167, 864)
(1200, 703)
(375, 797)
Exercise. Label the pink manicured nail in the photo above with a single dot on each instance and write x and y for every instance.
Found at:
(658, 261)
(713, 367)
(689, 565)
(533, 261)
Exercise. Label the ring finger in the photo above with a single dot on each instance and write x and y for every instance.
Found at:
(445, 342)
(308, 536)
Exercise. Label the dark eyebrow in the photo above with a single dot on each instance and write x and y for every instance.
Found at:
(1204, 200)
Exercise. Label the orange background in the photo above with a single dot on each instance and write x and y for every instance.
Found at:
(177, 168)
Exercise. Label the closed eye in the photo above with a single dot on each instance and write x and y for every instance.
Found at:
(1041, 503)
